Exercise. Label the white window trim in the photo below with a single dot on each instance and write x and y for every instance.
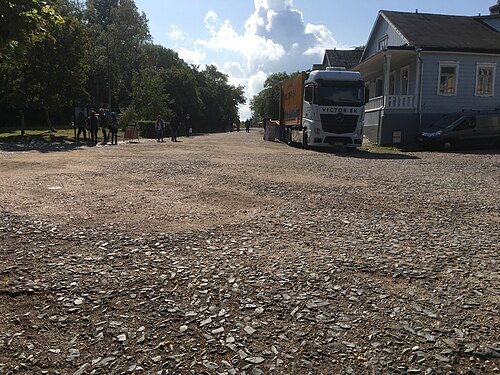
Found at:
(403, 69)
(384, 40)
(486, 65)
(448, 64)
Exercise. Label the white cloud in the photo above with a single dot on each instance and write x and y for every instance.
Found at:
(275, 39)
(195, 57)
(175, 33)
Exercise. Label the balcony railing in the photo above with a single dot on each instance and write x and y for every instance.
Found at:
(392, 102)
(374, 103)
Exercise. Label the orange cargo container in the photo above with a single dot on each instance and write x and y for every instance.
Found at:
(291, 100)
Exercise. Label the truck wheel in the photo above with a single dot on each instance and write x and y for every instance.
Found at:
(304, 139)
(448, 145)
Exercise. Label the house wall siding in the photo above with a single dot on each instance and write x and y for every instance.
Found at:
(381, 30)
(378, 32)
(465, 97)
(395, 39)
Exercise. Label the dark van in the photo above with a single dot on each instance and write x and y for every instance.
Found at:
(463, 130)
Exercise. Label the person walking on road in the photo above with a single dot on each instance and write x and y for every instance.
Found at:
(103, 123)
(80, 123)
(174, 126)
(113, 128)
(93, 124)
(160, 128)
(188, 125)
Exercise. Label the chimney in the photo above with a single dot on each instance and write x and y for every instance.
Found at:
(495, 9)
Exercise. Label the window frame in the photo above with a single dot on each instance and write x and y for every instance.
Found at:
(481, 65)
(448, 64)
(309, 93)
(382, 43)
(401, 81)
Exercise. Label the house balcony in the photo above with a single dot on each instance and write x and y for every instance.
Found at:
(395, 102)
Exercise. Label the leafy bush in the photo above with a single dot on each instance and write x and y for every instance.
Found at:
(147, 129)
(127, 116)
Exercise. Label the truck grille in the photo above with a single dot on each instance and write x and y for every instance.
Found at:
(331, 123)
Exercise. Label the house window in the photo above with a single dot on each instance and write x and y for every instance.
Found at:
(448, 73)
(405, 81)
(485, 79)
(382, 43)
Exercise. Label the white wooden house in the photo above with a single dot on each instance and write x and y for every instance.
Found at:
(419, 67)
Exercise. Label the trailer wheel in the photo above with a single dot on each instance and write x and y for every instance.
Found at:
(304, 139)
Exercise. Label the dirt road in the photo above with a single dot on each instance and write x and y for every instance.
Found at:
(226, 254)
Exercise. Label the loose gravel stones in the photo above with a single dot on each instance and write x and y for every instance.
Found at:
(225, 254)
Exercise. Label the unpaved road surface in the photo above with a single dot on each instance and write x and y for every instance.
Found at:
(226, 254)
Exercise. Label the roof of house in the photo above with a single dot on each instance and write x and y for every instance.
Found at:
(436, 31)
(342, 58)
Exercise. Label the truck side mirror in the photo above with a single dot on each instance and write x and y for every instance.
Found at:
(367, 94)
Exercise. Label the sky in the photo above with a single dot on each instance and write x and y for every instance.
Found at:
(250, 39)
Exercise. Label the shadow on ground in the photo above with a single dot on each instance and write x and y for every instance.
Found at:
(364, 154)
(45, 142)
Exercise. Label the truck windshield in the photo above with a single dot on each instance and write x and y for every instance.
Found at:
(341, 94)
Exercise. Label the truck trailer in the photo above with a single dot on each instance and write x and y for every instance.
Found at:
(323, 108)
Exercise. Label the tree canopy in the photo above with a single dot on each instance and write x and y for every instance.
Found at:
(25, 21)
(59, 54)
(266, 102)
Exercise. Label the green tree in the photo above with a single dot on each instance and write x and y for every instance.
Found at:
(182, 88)
(266, 102)
(118, 32)
(149, 95)
(49, 73)
(154, 55)
(24, 21)
(219, 99)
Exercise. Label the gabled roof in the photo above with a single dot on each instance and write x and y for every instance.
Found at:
(342, 58)
(443, 32)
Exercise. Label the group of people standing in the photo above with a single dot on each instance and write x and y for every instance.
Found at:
(107, 122)
(175, 123)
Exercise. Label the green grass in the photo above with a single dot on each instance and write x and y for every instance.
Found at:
(37, 136)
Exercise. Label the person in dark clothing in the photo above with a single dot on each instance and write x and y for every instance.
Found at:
(80, 123)
(103, 123)
(247, 125)
(160, 128)
(188, 125)
(93, 123)
(174, 127)
(113, 128)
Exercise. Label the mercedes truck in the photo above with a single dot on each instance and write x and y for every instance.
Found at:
(323, 108)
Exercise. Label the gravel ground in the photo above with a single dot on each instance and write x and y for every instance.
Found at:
(226, 254)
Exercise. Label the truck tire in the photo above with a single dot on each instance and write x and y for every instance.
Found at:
(288, 136)
(304, 138)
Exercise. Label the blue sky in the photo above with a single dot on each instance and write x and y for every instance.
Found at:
(249, 40)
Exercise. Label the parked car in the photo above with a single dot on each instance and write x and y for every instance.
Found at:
(463, 130)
